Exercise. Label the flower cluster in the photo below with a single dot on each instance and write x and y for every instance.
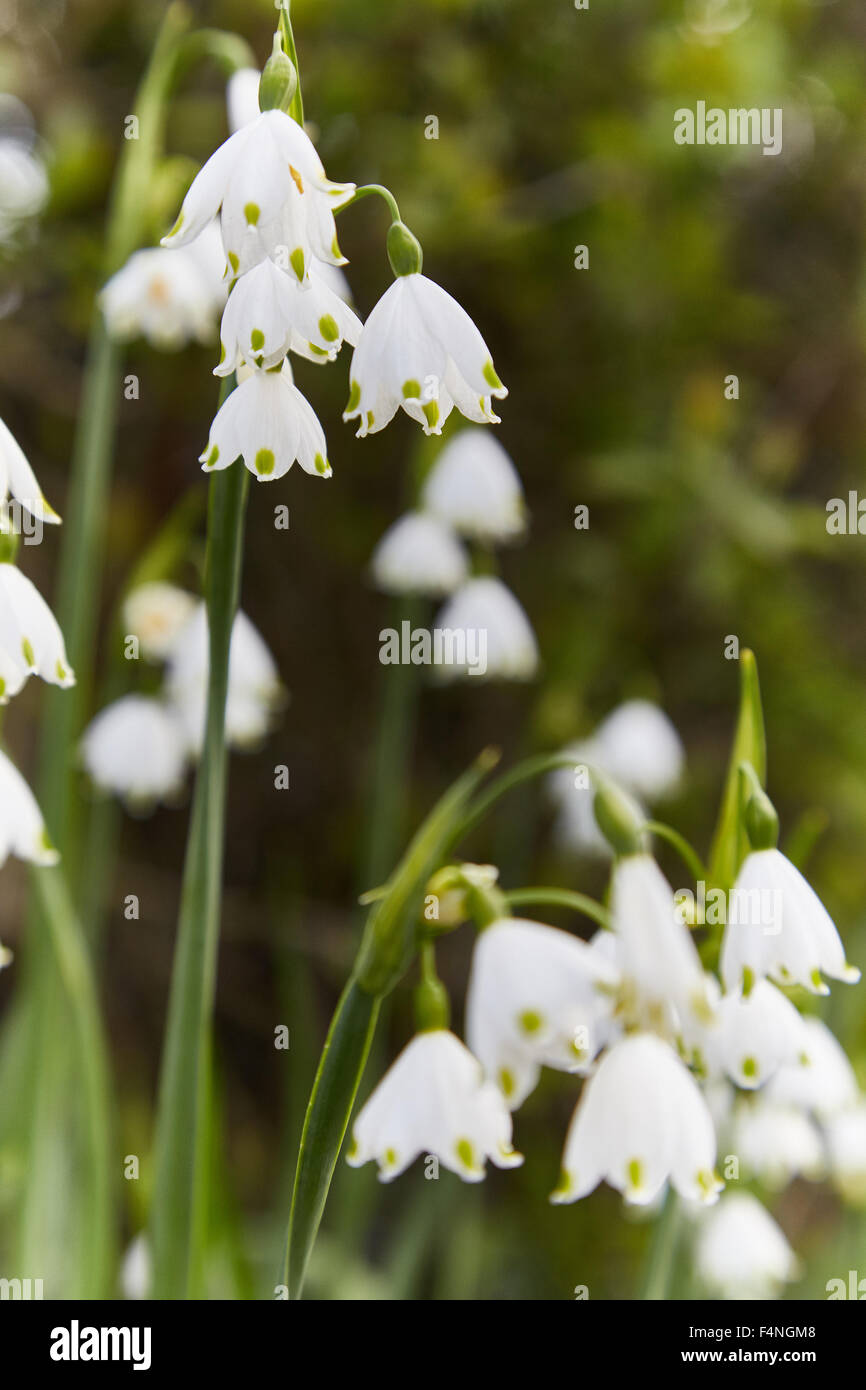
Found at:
(139, 747)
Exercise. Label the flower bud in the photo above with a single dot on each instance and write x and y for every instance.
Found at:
(616, 818)
(279, 80)
(431, 1004)
(762, 822)
(404, 250)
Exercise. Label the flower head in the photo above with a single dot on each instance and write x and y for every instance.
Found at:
(639, 747)
(22, 829)
(170, 298)
(269, 314)
(419, 554)
(776, 1142)
(821, 1079)
(31, 643)
(485, 609)
(135, 748)
(434, 1100)
(474, 487)
(420, 350)
(18, 480)
(268, 423)
(155, 613)
(752, 1036)
(741, 1252)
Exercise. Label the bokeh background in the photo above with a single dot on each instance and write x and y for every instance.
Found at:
(707, 518)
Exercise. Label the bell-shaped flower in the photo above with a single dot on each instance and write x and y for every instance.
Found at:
(269, 187)
(170, 298)
(741, 1252)
(22, 829)
(434, 1100)
(474, 487)
(23, 185)
(18, 481)
(31, 643)
(494, 637)
(267, 422)
(135, 748)
(778, 927)
(156, 613)
(664, 983)
(640, 1122)
(752, 1036)
(269, 314)
(638, 746)
(420, 350)
(254, 689)
(822, 1079)
(419, 554)
(535, 998)
(776, 1143)
(846, 1144)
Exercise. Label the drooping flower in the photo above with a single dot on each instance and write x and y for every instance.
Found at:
(155, 613)
(741, 1252)
(640, 748)
(269, 187)
(268, 423)
(535, 998)
(822, 1079)
(434, 1100)
(419, 554)
(846, 1143)
(776, 1142)
(31, 643)
(269, 314)
(171, 298)
(254, 689)
(781, 928)
(420, 350)
(474, 487)
(23, 182)
(18, 480)
(22, 829)
(135, 748)
(752, 1036)
(640, 1122)
(489, 617)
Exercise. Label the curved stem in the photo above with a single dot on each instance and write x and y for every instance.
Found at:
(560, 897)
(523, 772)
(379, 189)
(687, 853)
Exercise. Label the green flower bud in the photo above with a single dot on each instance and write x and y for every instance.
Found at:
(404, 250)
(279, 81)
(432, 1006)
(616, 818)
(762, 822)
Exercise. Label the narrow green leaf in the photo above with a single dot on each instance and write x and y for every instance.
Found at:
(730, 844)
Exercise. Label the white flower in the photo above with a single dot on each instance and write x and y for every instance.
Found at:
(270, 424)
(572, 792)
(490, 617)
(269, 313)
(242, 97)
(269, 187)
(420, 350)
(535, 996)
(6, 956)
(846, 1142)
(22, 829)
(776, 1142)
(752, 1036)
(782, 929)
(23, 186)
(822, 1079)
(434, 1100)
(640, 1122)
(640, 748)
(660, 963)
(419, 554)
(155, 613)
(254, 688)
(135, 748)
(474, 487)
(31, 643)
(170, 298)
(136, 1269)
(18, 480)
(741, 1252)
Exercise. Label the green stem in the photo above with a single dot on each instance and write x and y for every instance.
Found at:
(524, 772)
(180, 1152)
(560, 897)
(297, 107)
(687, 853)
(381, 191)
(663, 1250)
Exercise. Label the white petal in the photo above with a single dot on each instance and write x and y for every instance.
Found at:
(474, 487)
(419, 555)
(22, 829)
(29, 633)
(135, 748)
(488, 621)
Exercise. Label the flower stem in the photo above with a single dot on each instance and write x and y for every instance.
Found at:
(560, 897)
(663, 1250)
(180, 1150)
(687, 853)
(366, 190)
(297, 107)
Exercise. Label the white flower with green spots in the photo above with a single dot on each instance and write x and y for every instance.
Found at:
(537, 997)
(752, 1036)
(269, 187)
(31, 643)
(420, 351)
(267, 422)
(434, 1100)
(17, 480)
(22, 829)
(640, 1123)
(269, 314)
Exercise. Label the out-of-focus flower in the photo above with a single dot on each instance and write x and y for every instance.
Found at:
(639, 747)
(31, 643)
(419, 554)
(535, 997)
(776, 1142)
(489, 617)
(136, 1269)
(782, 929)
(822, 1080)
(846, 1143)
(23, 180)
(420, 350)
(268, 423)
(170, 298)
(268, 314)
(434, 1100)
(18, 480)
(155, 613)
(753, 1035)
(474, 487)
(640, 1123)
(135, 748)
(254, 689)
(6, 956)
(741, 1252)
(22, 829)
